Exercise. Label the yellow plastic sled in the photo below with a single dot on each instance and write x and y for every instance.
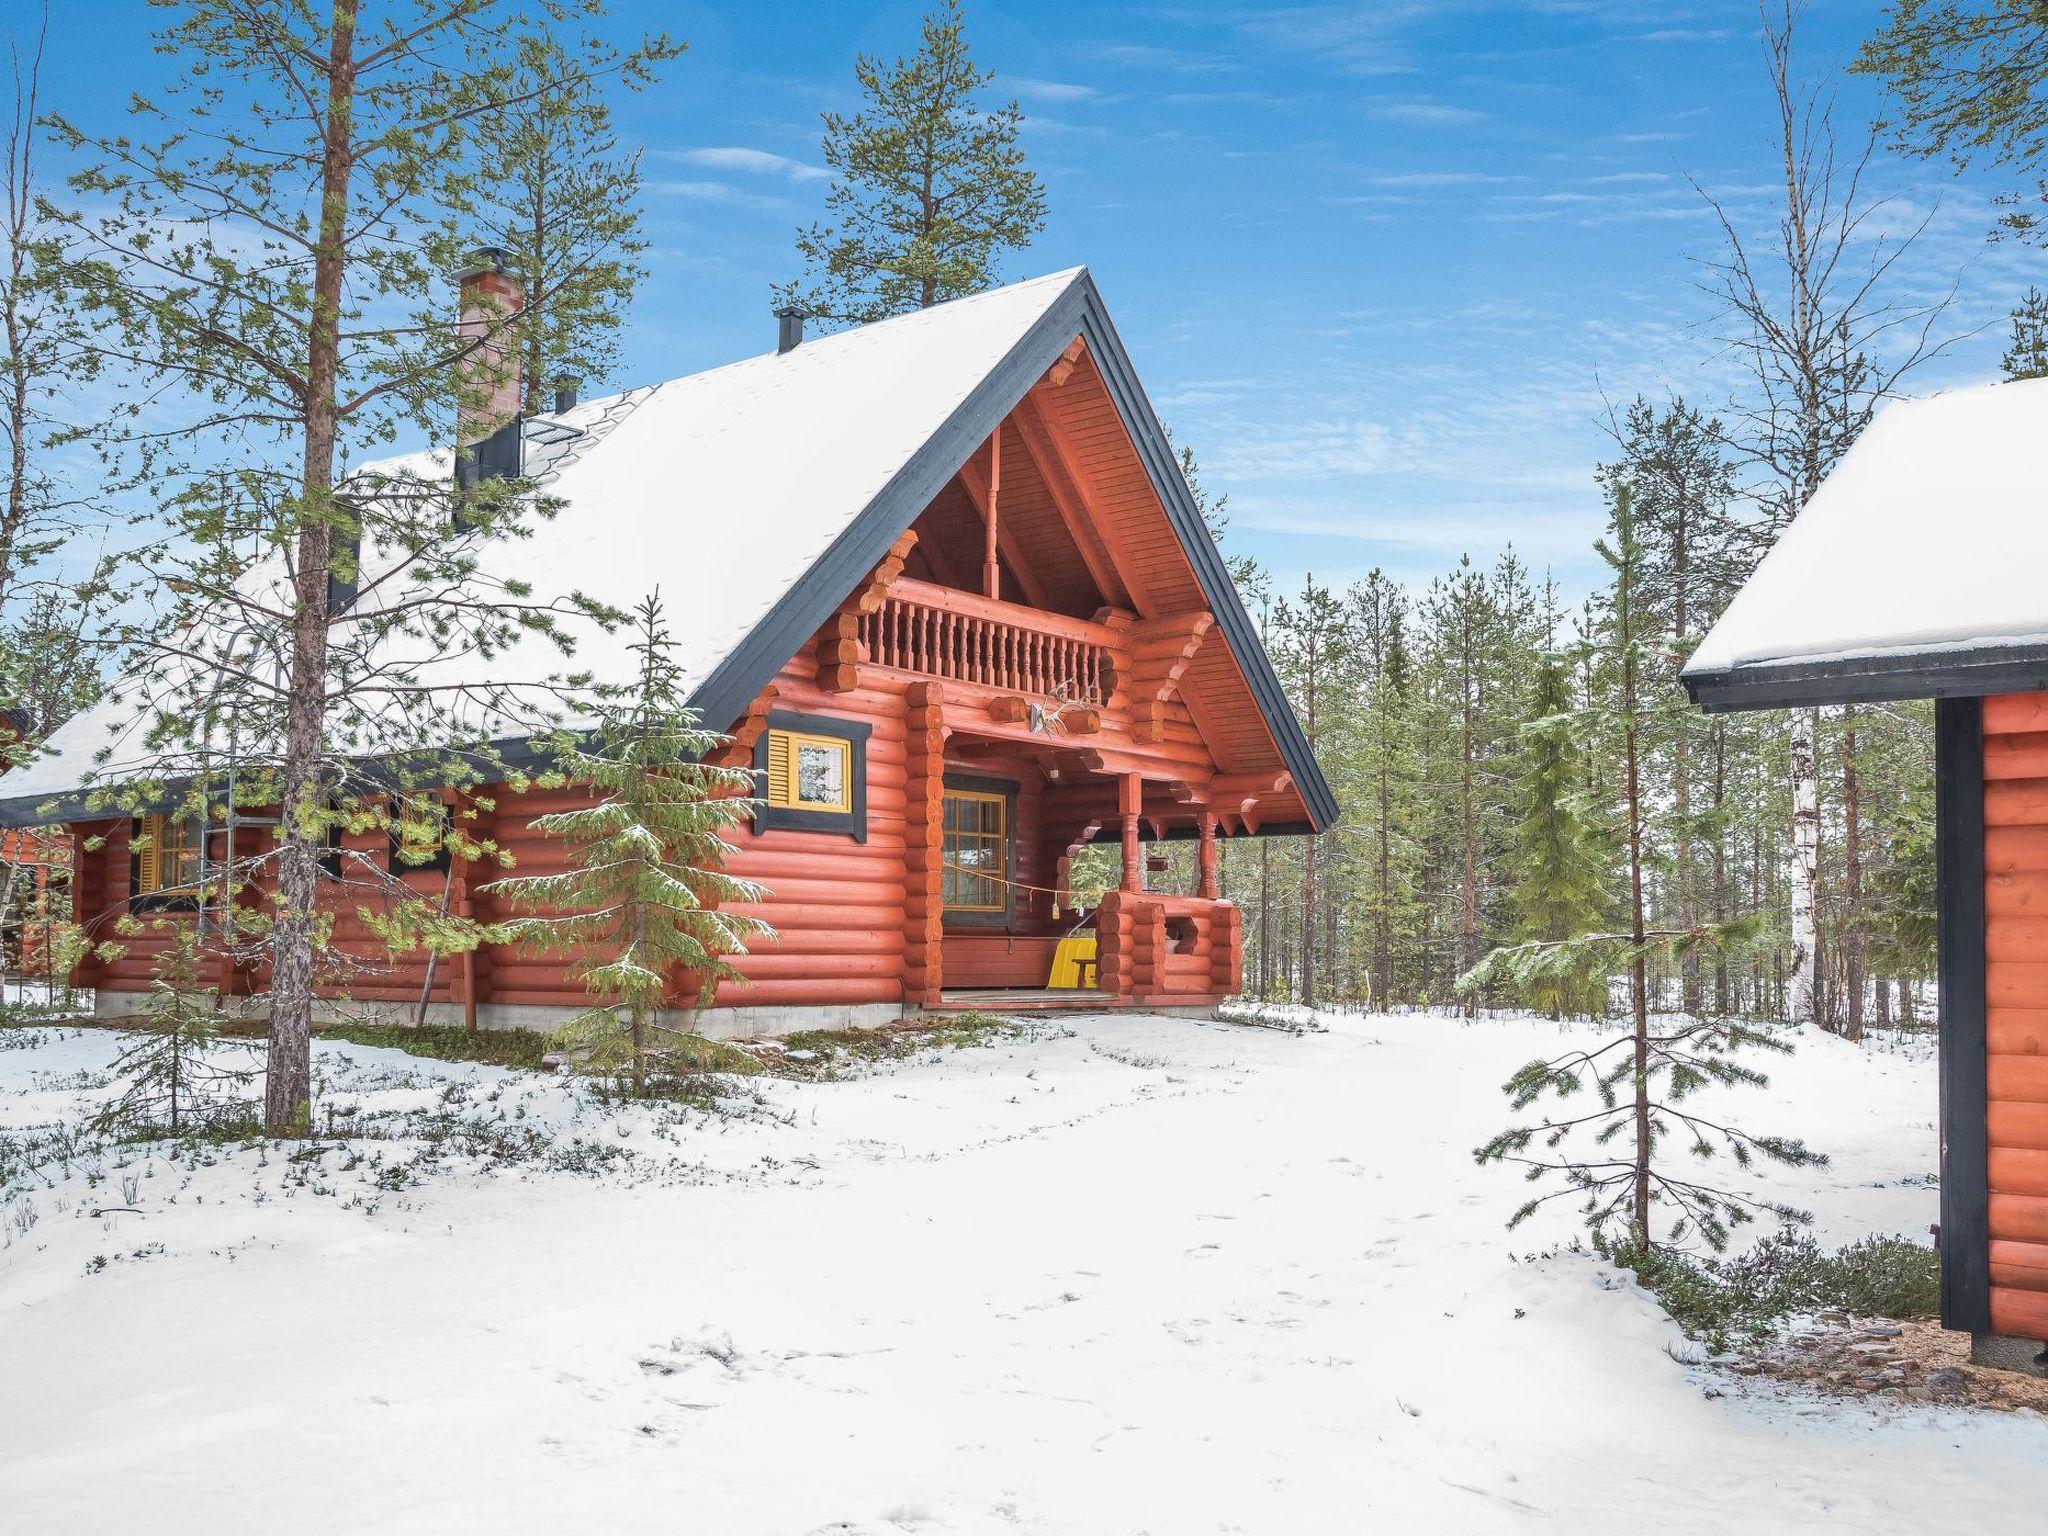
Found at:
(1073, 962)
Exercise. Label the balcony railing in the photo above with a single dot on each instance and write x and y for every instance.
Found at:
(946, 633)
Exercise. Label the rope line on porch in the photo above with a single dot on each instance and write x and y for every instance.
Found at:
(1020, 885)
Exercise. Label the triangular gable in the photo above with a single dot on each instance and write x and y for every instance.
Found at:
(1079, 311)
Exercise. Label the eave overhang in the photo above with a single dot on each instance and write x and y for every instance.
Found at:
(1972, 672)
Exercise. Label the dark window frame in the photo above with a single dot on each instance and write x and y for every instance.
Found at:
(1003, 919)
(852, 822)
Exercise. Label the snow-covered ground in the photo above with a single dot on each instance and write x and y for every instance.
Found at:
(1132, 1275)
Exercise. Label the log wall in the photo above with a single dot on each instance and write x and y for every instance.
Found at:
(2016, 1008)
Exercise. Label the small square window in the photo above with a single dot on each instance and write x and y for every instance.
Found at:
(812, 774)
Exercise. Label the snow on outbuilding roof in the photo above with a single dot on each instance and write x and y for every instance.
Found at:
(755, 496)
(1920, 567)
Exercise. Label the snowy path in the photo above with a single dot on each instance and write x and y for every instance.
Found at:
(1155, 1277)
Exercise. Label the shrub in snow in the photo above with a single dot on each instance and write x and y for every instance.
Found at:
(178, 1075)
(1743, 1298)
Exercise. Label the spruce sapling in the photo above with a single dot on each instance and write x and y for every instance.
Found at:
(640, 903)
(1645, 1078)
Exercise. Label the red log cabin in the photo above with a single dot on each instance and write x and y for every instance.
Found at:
(943, 584)
(1915, 573)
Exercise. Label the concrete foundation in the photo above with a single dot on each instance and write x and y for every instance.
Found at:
(715, 1023)
(2021, 1355)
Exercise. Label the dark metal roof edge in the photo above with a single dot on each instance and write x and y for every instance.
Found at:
(512, 753)
(1156, 453)
(1872, 679)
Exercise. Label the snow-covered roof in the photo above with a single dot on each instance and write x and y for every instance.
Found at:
(1923, 553)
(754, 496)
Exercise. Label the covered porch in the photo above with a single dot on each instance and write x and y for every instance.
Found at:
(1025, 920)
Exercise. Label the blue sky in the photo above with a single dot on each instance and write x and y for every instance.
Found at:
(1378, 263)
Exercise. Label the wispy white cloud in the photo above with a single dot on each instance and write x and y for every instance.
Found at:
(1152, 56)
(756, 162)
(720, 192)
(1445, 179)
(1425, 114)
(1026, 89)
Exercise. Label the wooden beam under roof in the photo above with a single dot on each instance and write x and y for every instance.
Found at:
(974, 481)
(1048, 453)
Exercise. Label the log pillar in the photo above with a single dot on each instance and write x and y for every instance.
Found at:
(1209, 886)
(924, 741)
(991, 569)
(1130, 799)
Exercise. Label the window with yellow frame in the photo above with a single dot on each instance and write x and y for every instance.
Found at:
(167, 851)
(975, 849)
(812, 774)
(808, 772)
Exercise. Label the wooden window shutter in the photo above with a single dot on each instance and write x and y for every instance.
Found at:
(149, 859)
(781, 769)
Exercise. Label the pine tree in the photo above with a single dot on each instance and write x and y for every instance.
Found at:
(929, 190)
(641, 903)
(560, 197)
(177, 1075)
(1971, 82)
(1313, 648)
(1387, 775)
(263, 255)
(1560, 889)
(2027, 356)
(1643, 1078)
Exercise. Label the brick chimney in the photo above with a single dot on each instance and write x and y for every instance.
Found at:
(491, 295)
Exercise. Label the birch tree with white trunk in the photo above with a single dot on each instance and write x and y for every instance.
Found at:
(1825, 327)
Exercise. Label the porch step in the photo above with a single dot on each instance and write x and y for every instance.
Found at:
(1013, 999)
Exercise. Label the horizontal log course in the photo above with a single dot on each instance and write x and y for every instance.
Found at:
(2019, 756)
(2015, 713)
(2016, 802)
(2022, 1218)
(787, 917)
(2009, 850)
(2019, 1077)
(881, 839)
(2016, 1031)
(2016, 895)
(2018, 1314)
(782, 993)
(852, 861)
(2016, 984)
(814, 942)
(2016, 939)
(771, 963)
(2020, 1266)
(2019, 1171)
(2017, 1123)
(886, 895)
